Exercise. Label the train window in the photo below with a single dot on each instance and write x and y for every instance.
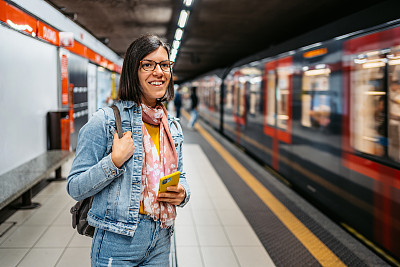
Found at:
(315, 96)
(229, 93)
(241, 97)
(271, 87)
(394, 103)
(255, 95)
(368, 103)
(282, 96)
(278, 90)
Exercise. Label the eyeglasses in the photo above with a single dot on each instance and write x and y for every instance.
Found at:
(150, 65)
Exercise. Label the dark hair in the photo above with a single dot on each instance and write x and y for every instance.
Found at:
(129, 85)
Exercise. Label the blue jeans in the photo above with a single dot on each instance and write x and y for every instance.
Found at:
(149, 246)
(193, 118)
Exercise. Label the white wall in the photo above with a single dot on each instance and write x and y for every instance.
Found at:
(28, 90)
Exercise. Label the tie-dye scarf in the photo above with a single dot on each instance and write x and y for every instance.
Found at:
(153, 169)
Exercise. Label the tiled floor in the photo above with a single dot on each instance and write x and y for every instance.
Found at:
(210, 230)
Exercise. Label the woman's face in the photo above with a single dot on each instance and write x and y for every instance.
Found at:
(154, 82)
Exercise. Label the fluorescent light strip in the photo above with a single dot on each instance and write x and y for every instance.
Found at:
(183, 18)
(188, 3)
(173, 54)
(178, 34)
(176, 44)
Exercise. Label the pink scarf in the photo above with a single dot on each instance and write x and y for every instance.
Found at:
(153, 169)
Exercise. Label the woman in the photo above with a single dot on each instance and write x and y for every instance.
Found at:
(133, 224)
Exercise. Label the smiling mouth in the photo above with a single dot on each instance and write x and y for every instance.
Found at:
(156, 83)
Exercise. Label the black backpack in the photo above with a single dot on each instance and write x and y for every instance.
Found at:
(80, 210)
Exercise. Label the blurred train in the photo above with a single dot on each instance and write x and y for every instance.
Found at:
(327, 118)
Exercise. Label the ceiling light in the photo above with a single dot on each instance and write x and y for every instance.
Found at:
(183, 18)
(178, 34)
(188, 3)
(176, 44)
(173, 54)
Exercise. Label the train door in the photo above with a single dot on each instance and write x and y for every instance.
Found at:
(316, 124)
(239, 99)
(372, 131)
(209, 100)
(229, 107)
(278, 109)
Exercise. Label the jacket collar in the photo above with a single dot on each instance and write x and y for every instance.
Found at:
(127, 104)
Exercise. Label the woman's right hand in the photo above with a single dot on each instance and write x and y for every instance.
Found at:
(122, 149)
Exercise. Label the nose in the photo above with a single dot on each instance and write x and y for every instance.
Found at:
(158, 70)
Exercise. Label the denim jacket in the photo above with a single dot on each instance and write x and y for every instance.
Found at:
(116, 191)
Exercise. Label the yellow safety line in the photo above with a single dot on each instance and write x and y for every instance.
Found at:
(317, 248)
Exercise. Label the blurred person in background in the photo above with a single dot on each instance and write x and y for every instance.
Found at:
(178, 102)
(194, 112)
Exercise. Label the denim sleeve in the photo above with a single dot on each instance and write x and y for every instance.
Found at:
(182, 179)
(91, 171)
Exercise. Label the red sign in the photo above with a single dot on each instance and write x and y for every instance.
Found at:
(64, 80)
(47, 33)
(20, 20)
(3, 7)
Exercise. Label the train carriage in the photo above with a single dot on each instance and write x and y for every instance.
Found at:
(326, 117)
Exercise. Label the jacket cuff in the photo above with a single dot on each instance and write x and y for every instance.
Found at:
(110, 169)
(187, 196)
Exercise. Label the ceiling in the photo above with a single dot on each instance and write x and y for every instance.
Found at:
(218, 32)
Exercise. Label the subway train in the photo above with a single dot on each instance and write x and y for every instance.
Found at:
(326, 117)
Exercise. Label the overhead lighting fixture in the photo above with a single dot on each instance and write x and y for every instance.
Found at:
(183, 18)
(176, 44)
(178, 34)
(173, 54)
(188, 3)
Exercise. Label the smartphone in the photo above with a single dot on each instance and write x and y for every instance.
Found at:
(169, 180)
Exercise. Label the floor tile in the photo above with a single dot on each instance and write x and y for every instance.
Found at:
(75, 257)
(212, 236)
(253, 256)
(24, 236)
(224, 203)
(186, 236)
(64, 218)
(242, 236)
(184, 216)
(41, 257)
(232, 217)
(219, 257)
(79, 241)
(11, 257)
(21, 216)
(201, 203)
(42, 218)
(206, 217)
(55, 237)
(189, 257)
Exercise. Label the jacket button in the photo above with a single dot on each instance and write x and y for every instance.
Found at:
(113, 172)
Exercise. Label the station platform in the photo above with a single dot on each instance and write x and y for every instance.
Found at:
(239, 214)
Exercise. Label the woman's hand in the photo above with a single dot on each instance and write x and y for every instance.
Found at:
(175, 195)
(122, 149)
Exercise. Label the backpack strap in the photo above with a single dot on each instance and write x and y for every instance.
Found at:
(117, 120)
